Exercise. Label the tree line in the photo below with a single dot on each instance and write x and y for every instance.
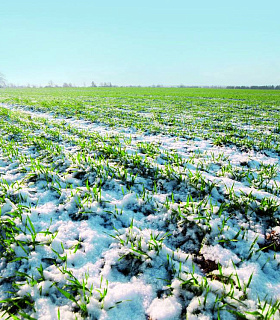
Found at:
(255, 87)
(51, 84)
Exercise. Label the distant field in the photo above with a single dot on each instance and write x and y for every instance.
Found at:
(139, 203)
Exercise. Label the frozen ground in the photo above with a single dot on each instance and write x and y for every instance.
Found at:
(114, 223)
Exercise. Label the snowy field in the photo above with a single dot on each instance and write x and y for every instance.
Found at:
(155, 206)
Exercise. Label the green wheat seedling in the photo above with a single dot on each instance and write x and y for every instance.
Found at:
(156, 242)
(16, 306)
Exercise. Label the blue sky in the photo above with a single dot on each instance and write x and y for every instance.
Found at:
(140, 42)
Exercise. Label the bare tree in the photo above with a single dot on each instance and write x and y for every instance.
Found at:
(2, 81)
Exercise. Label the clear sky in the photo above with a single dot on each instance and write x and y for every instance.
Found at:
(140, 42)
